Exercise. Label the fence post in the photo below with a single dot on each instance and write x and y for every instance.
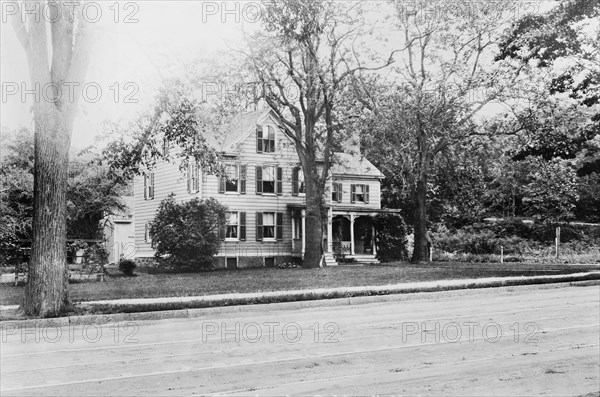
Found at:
(501, 254)
(557, 241)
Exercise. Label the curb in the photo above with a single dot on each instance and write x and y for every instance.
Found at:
(308, 299)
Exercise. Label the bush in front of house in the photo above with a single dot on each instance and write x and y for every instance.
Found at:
(185, 235)
(390, 240)
(127, 266)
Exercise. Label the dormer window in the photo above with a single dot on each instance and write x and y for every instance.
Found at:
(265, 139)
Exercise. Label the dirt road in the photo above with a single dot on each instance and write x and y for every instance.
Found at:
(506, 341)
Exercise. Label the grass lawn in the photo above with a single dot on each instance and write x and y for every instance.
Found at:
(258, 280)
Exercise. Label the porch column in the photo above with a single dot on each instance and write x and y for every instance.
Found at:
(329, 230)
(373, 240)
(293, 232)
(303, 232)
(351, 234)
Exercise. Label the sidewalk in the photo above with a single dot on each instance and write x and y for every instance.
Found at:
(178, 307)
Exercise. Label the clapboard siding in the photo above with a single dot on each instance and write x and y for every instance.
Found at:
(168, 179)
(374, 192)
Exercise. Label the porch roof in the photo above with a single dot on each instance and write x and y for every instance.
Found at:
(349, 209)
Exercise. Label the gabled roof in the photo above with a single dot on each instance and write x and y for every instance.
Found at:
(354, 165)
(239, 128)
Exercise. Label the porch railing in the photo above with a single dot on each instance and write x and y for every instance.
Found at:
(342, 247)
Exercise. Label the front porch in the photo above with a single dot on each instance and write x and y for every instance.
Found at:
(349, 232)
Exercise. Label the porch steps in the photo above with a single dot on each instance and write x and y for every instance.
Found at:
(329, 260)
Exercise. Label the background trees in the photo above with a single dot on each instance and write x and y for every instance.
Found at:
(429, 102)
(91, 195)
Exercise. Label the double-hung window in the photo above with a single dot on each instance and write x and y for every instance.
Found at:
(269, 180)
(235, 227)
(231, 182)
(149, 186)
(359, 193)
(298, 185)
(269, 226)
(336, 192)
(193, 178)
(234, 180)
(265, 139)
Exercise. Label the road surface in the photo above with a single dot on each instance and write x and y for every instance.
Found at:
(506, 341)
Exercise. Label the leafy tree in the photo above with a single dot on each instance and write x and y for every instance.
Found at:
(68, 45)
(430, 103)
(302, 59)
(391, 237)
(176, 118)
(565, 42)
(186, 235)
(552, 193)
(91, 194)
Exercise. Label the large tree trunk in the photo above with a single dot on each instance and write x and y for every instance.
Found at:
(47, 294)
(421, 248)
(68, 45)
(314, 222)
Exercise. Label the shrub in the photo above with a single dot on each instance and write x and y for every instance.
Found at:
(186, 235)
(391, 238)
(127, 266)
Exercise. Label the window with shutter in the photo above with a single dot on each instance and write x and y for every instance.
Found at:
(268, 228)
(336, 194)
(353, 193)
(360, 193)
(232, 226)
(231, 183)
(193, 178)
(268, 179)
(149, 186)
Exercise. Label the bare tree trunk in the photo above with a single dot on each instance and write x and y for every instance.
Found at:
(314, 221)
(421, 249)
(47, 293)
(54, 60)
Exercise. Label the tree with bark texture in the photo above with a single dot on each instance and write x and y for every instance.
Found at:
(65, 36)
(302, 59)
(443, 79)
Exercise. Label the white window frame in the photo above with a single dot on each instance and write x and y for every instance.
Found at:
(274, 168)
(237, 226)
(237, 179)
(274, 226)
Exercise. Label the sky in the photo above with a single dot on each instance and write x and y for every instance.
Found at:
(150, 41)
(139, 44)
